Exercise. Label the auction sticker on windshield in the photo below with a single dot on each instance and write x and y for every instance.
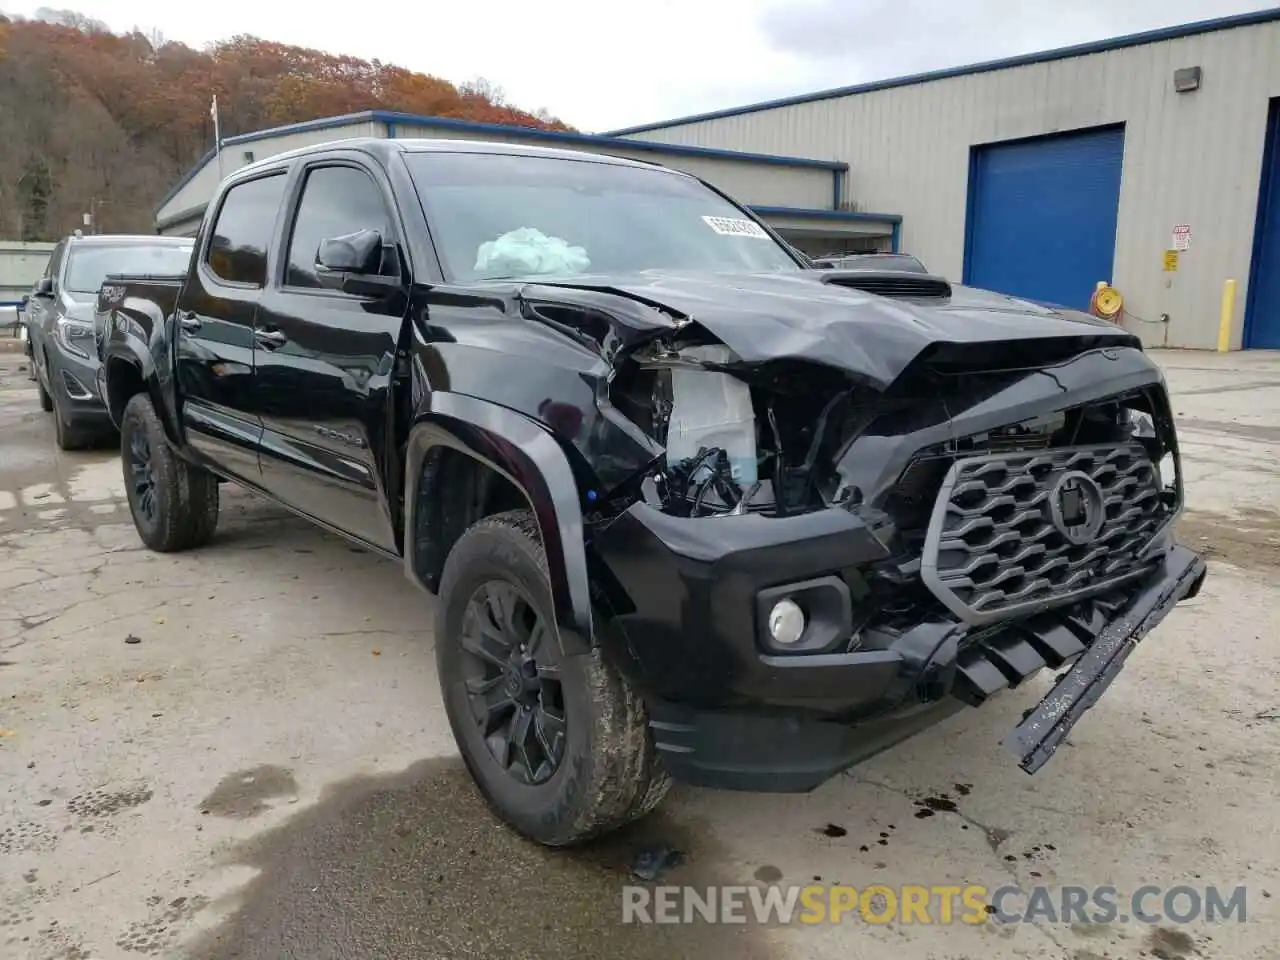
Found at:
(736, 227)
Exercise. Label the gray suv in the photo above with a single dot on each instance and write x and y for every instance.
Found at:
(60, 322)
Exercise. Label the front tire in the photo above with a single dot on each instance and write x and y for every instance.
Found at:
(69, 434)
(558, 746)
(174, 503)
(46, 401)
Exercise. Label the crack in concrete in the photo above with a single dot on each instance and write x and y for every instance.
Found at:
(1229, 388)
(1246, 430)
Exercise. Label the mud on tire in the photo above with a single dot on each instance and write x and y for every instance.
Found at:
(174, 503)
(609, 773)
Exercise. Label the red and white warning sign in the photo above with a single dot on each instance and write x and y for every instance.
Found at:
(1182, 236)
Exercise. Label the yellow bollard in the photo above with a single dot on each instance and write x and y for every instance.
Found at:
(1226, 311)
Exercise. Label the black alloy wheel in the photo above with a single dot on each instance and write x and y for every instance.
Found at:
(142, 478)
(556, 740)
(513, 682)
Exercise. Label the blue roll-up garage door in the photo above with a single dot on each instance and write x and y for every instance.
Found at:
(1042, 215)
(1262, 324)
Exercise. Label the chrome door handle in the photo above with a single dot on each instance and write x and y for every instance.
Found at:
(270, 339)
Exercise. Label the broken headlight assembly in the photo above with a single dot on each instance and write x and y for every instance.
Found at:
(1141, 426)
(738, 438)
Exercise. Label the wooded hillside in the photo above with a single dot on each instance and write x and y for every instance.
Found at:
(103, 123)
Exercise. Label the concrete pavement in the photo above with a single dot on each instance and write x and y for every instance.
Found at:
(240, 752)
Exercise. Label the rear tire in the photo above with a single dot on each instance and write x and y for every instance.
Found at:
(174, 503)
(596, 766)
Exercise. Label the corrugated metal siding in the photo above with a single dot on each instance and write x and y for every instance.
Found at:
(749, 183)
(201, 187)
(185, 227)
(21, 265)
(1189, 158)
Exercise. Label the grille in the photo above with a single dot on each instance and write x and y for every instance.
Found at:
(1013, 533)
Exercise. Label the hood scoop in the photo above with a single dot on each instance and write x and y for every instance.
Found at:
(891, 283)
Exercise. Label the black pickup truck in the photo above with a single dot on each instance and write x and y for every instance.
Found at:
(691, 508)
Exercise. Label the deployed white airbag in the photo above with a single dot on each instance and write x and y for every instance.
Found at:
(529, 251)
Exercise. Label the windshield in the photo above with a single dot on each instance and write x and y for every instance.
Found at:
(495, 216)
(89, 265)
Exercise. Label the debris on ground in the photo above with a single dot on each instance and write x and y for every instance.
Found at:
(651, 863)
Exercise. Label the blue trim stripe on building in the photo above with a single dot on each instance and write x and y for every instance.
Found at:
(1061, 53)
(807, 213)
(599, 140)
(395, 122)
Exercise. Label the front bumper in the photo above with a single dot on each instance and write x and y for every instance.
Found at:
(1034, 740)
(79, 386)
(684, 628)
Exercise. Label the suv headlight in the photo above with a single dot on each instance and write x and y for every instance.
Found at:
(75, 336)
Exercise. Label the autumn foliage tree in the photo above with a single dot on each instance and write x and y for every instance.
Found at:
(94, 121)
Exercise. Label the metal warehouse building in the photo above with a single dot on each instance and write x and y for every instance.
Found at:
(1150, 161)
(799, 196)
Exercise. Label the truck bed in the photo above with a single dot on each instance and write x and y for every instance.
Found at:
(145, 297)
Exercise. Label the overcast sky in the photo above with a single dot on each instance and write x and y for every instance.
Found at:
(600, 65)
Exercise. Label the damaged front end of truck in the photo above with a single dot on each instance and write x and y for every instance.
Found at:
(853, 520)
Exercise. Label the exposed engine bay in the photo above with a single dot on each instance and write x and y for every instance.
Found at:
(769, 438)
(739, 438)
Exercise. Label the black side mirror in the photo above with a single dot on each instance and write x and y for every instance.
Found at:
(44, 287)
(358, 252)
(351, 263)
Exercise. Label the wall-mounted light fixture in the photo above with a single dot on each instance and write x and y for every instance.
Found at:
(1186, 79)
(248, 154)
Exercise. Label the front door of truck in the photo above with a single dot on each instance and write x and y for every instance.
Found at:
(325, 358)
(214, 326)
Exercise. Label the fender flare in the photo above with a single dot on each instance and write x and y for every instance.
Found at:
(525, 453)
(124, 344)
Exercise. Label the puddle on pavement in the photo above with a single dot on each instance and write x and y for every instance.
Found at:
(1250, 540)
(414, 866)
(245, 794)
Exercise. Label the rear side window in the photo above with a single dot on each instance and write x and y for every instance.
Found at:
(238, 244)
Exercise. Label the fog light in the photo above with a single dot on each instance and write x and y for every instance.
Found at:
(786, 622)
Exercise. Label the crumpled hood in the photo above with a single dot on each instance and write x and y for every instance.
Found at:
(770, 316)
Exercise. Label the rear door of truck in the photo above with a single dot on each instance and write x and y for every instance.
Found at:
(325, 358)
(215, 325)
